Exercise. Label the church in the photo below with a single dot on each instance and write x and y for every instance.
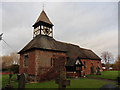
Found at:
(41, 57)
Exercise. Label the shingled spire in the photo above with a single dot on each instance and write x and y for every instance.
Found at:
(43, 25)
(43, 18)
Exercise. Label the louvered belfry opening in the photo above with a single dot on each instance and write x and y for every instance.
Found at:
(43, 26)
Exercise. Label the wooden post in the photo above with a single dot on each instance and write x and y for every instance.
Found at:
(61, 80)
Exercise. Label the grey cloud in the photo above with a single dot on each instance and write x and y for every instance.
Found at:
(83, 24)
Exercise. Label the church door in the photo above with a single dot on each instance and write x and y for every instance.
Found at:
(78, 65)
(78, 71)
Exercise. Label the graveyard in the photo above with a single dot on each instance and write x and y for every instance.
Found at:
(48, 62)
(86, 82)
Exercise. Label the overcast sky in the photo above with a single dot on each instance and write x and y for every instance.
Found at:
(91, 25)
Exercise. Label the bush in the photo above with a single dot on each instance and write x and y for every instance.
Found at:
(5, 69)
(14, 68)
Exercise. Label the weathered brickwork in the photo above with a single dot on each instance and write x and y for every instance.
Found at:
(89, 63)
(43, 63)
(87, 70)
(30, 69)
(47, 63)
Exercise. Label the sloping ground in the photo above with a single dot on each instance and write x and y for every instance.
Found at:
(110, 75)
(5, 80)
(88, 83)
(75, 83)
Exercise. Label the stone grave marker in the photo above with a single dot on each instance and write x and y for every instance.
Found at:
(21, 83)
(62, 83)
(10, 76)
(98, 71)
(118, 80)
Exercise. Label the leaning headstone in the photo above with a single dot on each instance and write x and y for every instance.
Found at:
(21, 81)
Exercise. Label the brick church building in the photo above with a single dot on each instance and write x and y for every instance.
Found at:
(41, 57)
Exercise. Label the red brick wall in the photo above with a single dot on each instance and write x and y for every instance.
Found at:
(88, 65)
(30, 69)
(43, 64)
(43, 60)
(40, 64)
(87, 70)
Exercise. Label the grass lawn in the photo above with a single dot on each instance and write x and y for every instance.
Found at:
(75, 83)
(107, 75)
(5, 79)
(88, 83)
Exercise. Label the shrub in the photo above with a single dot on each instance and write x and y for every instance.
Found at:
(14, 68)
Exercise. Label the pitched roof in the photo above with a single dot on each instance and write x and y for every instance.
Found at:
(73, 51)
(44, 42)
(49, 43)
(72, 61)
(44, 18)
(90, 54)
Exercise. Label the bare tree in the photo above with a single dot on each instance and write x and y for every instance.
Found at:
(8, 60)
(117, 62)
(15, 58)
(107, 57)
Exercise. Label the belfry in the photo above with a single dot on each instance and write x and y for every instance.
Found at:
(43, 25)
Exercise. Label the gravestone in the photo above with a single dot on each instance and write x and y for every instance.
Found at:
(118, 80)
(10, 76)
(62, 83)
(98, 71)
(18, 76)
(21, 83)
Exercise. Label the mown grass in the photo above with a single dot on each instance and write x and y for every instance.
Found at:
(48, 84)
(107, 75)
(88, 83)
(75, 83)
(5, 80)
